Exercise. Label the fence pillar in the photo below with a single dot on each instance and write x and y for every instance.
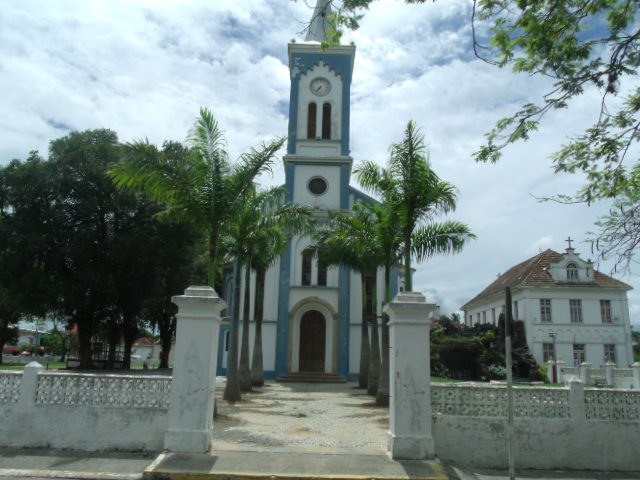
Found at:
(410, 435)
(636, 375)
(559, 366)
(29, 385)
(584, 373)
(552, 375)
(194, 370)
(608, 372)
(576, 401)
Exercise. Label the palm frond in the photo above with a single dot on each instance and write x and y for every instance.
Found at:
(440, 238)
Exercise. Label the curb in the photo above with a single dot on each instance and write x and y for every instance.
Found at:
(64, 474)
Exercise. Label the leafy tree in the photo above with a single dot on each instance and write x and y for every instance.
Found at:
(581, 45)
(9, 318)
(202, 187)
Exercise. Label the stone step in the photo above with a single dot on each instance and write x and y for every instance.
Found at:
(311, 377)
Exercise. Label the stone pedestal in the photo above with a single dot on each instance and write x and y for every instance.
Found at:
(636, 375)
(559, 366)
(585, 377)
(410, 377)
(608, 372)
(194, 370)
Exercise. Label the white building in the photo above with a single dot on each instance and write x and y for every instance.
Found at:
(570, 311)
(313, 314)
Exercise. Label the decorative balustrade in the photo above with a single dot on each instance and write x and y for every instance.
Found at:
(611, 405)
(120, 391)
(10, 384)
(474, 401)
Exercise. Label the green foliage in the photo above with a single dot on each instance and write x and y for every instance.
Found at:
(496, 372)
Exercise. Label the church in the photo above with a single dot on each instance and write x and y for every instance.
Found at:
(312, 314)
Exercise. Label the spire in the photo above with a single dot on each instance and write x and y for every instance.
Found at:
(319, 22)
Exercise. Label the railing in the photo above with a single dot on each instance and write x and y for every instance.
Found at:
(474, 401)
(120, 391)
(10, 385)
(612, 405)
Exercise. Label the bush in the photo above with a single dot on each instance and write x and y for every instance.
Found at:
(496, 372)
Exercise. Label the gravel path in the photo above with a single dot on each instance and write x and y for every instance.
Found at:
(331, 418)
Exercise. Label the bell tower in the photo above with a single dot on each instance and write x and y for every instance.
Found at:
(317, 164)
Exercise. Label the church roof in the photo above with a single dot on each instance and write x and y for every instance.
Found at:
(534, 273)
(319, 24)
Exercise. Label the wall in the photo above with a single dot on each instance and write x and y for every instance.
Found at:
(554, 428)
(83, 411)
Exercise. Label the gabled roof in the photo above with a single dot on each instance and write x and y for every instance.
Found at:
(533, 272)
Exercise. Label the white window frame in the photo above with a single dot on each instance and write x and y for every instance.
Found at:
(605, 311)
(545, 310)
(575, 310)
(548, 352)
(609, 352)
(572, 271)
(579, 354)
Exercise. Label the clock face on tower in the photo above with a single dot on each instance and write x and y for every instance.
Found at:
(320, 86)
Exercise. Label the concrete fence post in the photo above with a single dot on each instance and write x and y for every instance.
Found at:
(29, 385)
(410, 436)
(636, 375)
(559, 366)
(194, 370)
(551, 365)
(608, 372)
(584, 373)
(576, 401)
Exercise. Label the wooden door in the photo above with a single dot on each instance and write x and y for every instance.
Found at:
(312, 342)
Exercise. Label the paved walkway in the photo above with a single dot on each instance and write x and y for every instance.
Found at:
(323, 418)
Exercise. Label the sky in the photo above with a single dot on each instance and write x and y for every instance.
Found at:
(144, 68)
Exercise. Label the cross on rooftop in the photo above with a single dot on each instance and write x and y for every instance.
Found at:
(568, 240)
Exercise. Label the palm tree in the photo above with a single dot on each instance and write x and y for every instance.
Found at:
(200, 186)
(261, 212)
(268, 244)
(411, 194)
(364, 239)
(418, 195)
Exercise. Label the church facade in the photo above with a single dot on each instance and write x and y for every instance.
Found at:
(312, 313)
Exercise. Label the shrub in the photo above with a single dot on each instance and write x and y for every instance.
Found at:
(497, 372)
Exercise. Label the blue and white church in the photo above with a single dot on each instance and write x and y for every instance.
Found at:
(313, 314)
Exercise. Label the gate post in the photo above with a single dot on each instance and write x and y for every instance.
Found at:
(410, 435)
(194, 370)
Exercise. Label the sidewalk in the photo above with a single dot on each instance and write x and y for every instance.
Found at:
(245, 464)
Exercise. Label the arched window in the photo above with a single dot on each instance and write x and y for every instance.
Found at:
(572, 271)
(306, 269)
(311, 121)
(326, 121)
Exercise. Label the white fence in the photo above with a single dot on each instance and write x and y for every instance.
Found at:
(83, 411)
(609, 376)
(555, 428)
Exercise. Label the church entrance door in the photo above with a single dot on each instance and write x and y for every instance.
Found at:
(312, 342)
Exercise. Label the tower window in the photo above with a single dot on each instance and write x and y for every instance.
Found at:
(322, 273)
(572, 271)
(326, 121)
(317, 185)
(311, 121)
(306, 269)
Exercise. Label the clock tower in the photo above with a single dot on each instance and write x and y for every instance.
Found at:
(313, 303)
(317, 164)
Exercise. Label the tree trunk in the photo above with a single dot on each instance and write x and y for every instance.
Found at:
(130, 332)
(2, 342)
(257, 367)
(382, 397)
(232, 389)
(211, 264)
(114, 340)
(374, 355)
(166, 337)
(84, 346)
(245, 371)
(363, 376)
(408, 281)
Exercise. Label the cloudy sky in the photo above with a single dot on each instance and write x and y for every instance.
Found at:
(144, 68)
